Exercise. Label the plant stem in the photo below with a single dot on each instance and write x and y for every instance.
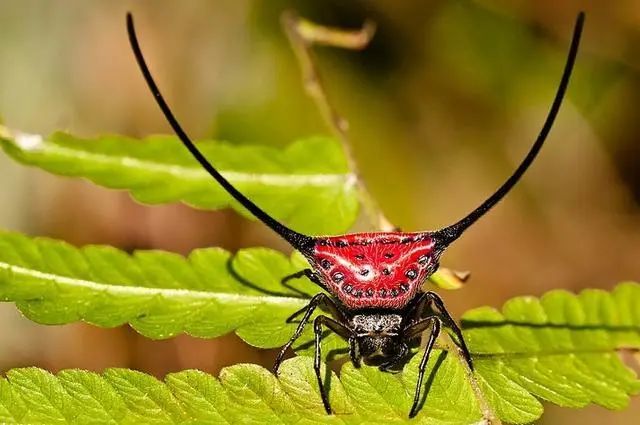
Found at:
(303, 35)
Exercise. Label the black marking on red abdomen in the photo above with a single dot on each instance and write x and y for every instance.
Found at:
(374, 270)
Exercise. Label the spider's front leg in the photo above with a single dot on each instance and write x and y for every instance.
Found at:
(341, 330)
(426, 300)
(309, 274)
(319, 300)
(354, 352)
(413, 331)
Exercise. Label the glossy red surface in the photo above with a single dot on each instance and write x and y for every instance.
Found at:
(374, 270)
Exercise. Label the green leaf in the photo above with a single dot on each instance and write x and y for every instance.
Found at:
(307, 185)
(560, 348)
(245, 393)
(250, 394)
(159, 294)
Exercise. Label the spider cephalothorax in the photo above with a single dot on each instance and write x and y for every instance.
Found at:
(373, 281)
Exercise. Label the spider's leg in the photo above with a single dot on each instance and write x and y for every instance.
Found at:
(354, 352)
(308, 309)
(430, 297)
(411, 332)
(435, 298)
(328, 304)
(338, 328)
(317, 300)
(297, 313)
(416, 307)
(297, 275)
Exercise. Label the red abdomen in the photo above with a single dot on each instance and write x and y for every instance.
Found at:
(374, 270)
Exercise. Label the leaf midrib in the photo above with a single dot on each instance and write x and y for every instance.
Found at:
(143, 290)
(520, 355)
(196, 173)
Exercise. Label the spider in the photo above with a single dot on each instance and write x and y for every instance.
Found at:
(372, 281)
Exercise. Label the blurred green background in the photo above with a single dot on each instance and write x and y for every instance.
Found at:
(442, 107)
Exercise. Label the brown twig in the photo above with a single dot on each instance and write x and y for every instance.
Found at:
(303, 35)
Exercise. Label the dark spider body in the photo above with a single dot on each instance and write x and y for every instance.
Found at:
(382, 338)
(373, 281)
(379, 339)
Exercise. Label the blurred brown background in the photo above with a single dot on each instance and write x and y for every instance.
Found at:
(442, 107)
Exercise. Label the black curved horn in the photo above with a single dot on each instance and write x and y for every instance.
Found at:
(450, 233)
(298, 240)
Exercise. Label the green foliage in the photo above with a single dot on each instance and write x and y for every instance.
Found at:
(561, 347)
(160, 294)
(251, 394)
(302, 185)
(243, 394)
